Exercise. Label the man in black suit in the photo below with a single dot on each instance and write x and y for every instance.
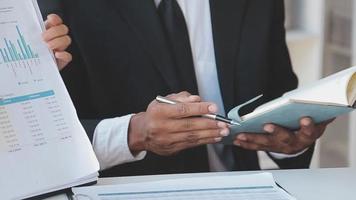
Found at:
(128, 51)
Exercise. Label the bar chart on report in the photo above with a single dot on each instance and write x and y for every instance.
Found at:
(18, 55)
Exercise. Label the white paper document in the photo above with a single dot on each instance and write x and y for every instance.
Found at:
(43, 146)
(246, 187)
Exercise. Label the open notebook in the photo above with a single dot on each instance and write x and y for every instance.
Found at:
(326, 99)
(43, 146)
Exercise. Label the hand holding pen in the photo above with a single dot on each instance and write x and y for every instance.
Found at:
(167, 129)
(209, 116)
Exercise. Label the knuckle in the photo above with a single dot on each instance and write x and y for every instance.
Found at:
(182, 109)
(188, 124)
(192, 138)
(286, 140)
(208, 124)
(154, 109)
(214, 124)
(203, 109)
(185, 93)
(214, 133)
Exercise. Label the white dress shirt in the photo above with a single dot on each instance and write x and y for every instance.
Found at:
(110, 137)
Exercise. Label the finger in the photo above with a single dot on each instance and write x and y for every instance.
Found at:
(251, 146)
(59, 44)
(55, 32)
(259, 139)
(308, 132)
(183, 110)
(184, 145)
(196, 123)
(191, 99)
(307, 126)
(196, 136)
(280, 134)
(53, 20)
(63, 59)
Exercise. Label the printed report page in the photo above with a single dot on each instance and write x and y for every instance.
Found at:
(42, 143)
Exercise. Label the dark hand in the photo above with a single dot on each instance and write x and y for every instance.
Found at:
(281, 140)
(167, 129)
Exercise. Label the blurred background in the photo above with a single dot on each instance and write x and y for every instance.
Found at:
(322, 40)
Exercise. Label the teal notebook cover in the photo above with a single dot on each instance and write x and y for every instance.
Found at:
(286, 115)
(323, 100)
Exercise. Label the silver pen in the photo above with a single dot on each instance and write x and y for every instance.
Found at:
(209, 116)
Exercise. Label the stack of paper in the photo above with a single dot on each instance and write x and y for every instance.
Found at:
(246, 187)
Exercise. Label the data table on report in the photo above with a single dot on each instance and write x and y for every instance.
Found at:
(30, 108)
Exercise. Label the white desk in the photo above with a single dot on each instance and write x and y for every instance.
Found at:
(321, 184)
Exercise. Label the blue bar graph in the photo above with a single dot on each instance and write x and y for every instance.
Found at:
(17, 51)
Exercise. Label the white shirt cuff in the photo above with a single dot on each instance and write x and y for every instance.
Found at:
(110, 143)
(281, 156)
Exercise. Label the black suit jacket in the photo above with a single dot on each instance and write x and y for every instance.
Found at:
(122, 61)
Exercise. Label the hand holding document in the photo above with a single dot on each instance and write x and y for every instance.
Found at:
(43, 147)
(246, 187)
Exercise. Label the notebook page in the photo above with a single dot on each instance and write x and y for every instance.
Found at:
(351, 90)
(332, 89)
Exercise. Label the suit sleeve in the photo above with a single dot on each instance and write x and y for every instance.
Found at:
(283, 79)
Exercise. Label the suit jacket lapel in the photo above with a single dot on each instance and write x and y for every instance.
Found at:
(144, 20)
(227, 21)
